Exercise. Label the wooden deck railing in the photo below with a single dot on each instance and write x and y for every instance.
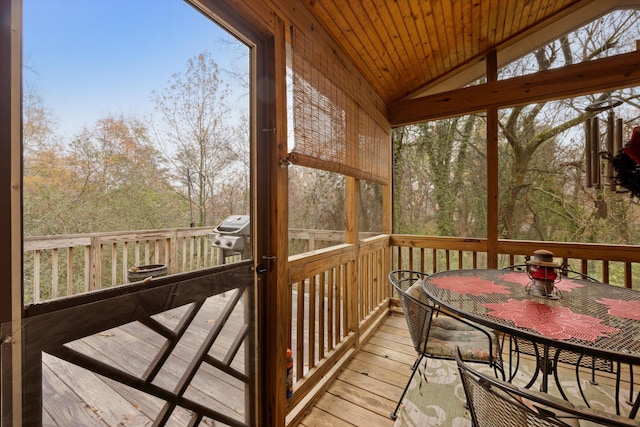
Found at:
(329, 317)
(64, 265)
(337, 294)
(615, 264)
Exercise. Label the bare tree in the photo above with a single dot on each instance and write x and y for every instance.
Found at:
(527, 129)
(196, 133)
(440, 167)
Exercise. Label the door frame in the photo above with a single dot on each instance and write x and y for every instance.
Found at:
(258, 34)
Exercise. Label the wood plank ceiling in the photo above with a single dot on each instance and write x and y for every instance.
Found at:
(403, 46)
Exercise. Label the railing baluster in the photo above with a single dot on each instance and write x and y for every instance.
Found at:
(345, 299)
(628, 278)
(199, 251)
(410, 258)
(184, 254)
(156, 252)
(338, 305)
(147, 251)
(167, 253)
(69, 271)
(54, 273)
(434, 257)
(114, 264)
(36, 276)
(300, 329)
(322, 315)
(125, 261)
(311, 336)
(330, 309)
(191, 251)
(87, 268)
(363, 295)
(137, 252)
(206, 256)
(373, 290)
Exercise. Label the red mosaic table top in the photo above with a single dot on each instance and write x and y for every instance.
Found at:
(628, 309)
(555, 322)
(472, 286)
(591, 318)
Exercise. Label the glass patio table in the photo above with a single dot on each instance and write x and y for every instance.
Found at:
(587, 318)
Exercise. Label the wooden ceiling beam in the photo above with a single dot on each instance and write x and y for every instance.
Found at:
(574, 80)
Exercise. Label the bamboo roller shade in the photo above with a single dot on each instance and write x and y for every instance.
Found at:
(338, 127)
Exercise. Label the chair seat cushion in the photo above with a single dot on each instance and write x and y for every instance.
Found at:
(446, 333)
(415, 291)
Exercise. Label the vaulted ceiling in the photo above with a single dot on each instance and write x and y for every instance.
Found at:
(410, 48)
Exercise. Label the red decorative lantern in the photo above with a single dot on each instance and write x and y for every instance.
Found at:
(542, 271)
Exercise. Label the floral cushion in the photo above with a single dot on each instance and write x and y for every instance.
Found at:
(447, 333)
(415, 291)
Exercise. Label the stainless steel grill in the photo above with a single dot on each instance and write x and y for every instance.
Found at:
(232, 236)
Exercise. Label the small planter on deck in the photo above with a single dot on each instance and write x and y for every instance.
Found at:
(141, 272)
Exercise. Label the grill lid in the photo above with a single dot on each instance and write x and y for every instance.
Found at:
(234, 224)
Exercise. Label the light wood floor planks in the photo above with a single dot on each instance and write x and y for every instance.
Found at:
(73, 396)
(366, 392)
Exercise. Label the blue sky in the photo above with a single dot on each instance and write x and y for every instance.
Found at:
(89, 59)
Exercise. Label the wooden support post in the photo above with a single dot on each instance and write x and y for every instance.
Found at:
(352, 190)
(11, 338)
(492, 169)
(587, 152)
(387, 219)
(276, 319)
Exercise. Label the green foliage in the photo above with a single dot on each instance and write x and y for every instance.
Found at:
(113, 175)
(370, 218)
(439, 185)
(111, 178)
(316, 199)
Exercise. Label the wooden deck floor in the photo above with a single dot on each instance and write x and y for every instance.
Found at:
(367, 390)
(73, 396)
(364, 394)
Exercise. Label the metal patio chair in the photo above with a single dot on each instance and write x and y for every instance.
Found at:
(495, 403)
(436, 335)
